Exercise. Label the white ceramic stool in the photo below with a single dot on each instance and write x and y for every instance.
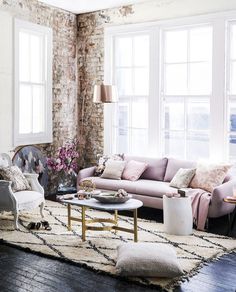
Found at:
(178, 218)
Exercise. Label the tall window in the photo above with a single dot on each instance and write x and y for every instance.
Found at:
(33, 83)
(231, 89)
(186, 89)
(130, 123)
(186, 106)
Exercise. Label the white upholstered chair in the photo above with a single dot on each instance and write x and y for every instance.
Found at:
(23, 200)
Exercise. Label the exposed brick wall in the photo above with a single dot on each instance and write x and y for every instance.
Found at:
(65, 105)
(90, 72)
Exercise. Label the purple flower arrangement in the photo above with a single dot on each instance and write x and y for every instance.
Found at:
(66, 158)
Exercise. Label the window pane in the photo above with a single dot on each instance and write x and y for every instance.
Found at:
(24, 53)
(139, 141)
(174, 116)
(36, 60)
(233, 78)
(232, 112)
(25, 110)
(176, 46)
(123, 51)
(198, 116)
(176, 79)
(141, 81)
(140, 114)
(174, 144)
(232, 146)
(38, 109)
(201, 44)
(122, 140)
(197, 146)
(124, 81)
(200, 78)
(141, 50)
(123, 115)
(233, 42)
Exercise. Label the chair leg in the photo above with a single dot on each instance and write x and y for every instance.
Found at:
(16, 215)
(41, 209)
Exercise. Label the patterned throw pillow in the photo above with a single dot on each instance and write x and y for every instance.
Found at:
(182, 178)
(14, 174)
(103, 160)
(208, 177)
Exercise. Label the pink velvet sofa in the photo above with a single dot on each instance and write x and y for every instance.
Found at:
(154, 183)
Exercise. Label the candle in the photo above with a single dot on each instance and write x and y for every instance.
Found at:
(234, 191)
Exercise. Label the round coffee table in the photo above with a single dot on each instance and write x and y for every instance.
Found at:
(131, 204)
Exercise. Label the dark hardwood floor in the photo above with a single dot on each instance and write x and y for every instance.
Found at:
(23, 271)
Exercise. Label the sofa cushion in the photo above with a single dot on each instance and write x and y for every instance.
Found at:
(133, 170)
(113, 169)
(182, 178)
(15, 175)
(28, 199)
(99, 168)
(145, 187)
(209, 176)
(156, 167)
(174, 165)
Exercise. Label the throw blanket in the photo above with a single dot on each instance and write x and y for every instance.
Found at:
(200, 205)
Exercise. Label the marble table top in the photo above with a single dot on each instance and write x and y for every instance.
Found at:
(131, 204)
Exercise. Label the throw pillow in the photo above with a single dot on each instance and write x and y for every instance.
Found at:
(103, 160)
(134, 169)
(182, 178)
(113, 169)
(147, 260)
(209, 176)
(15, 175)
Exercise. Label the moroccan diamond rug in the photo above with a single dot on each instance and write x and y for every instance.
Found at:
(99, 250)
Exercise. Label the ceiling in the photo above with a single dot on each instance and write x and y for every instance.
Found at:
(83, 6)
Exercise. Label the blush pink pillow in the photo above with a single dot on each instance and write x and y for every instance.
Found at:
(134, 169)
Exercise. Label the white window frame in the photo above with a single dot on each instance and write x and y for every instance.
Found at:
(229, 95)
(46, 136)
(186, 97)
(218, 100)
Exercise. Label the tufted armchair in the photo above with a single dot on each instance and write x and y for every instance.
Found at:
(22, 200)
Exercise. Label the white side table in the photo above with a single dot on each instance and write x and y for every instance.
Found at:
(178, 218)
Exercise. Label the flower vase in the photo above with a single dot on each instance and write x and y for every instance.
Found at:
(67, 182)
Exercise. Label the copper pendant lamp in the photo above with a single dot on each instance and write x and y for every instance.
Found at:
(105, 94)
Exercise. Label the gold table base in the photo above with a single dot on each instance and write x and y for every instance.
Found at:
(102, 220)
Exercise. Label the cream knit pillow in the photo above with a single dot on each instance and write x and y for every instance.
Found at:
(113, 169)
(147, 260)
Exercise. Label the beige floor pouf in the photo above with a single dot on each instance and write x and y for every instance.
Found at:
(147, 260)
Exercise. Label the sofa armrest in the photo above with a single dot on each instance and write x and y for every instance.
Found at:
(218, 207)
(7, 199)
(84, 173)
(32, 178)
(222, 191)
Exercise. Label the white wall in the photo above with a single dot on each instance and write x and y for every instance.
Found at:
(166, 9)
(6, 82)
